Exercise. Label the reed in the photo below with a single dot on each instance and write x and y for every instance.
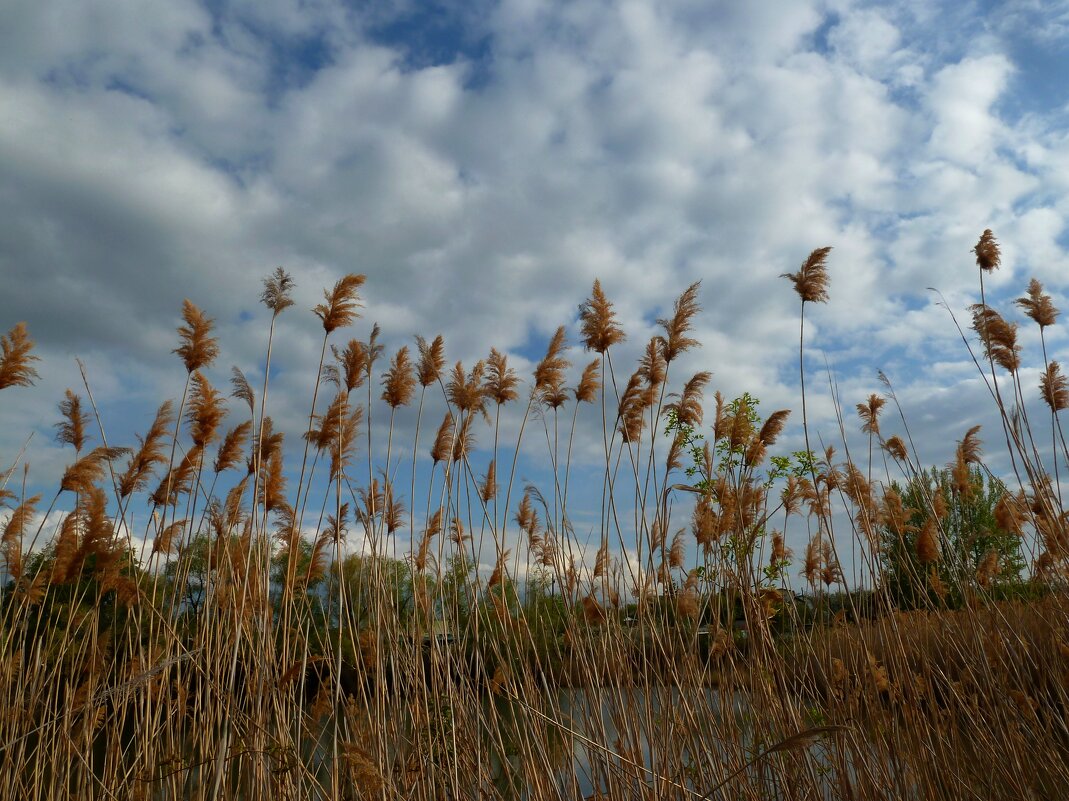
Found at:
(278, 636)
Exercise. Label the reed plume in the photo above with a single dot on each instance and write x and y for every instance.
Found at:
(207, 407)
(273, 484)
(464, 441)
(688, 409)
(869, 412)
(988, 255)
(241, 390)
(653, 365)
(178, 481)
(1054, 387)
(488, 486)
(431, 360)
(927, 542)
(167, 540)
(15, 527)
(16, 368)
(399, 382)
(675, 340)
(897, 448)
(998, 337)
(149, 454)
(630, 414)
(232, 447)
(83, 474)
(600, 330)
(342, 303)
(501, 380)
(466, 392)
(278, 288)
(343, 445)
(812, 564)
(71, 429)
(442, 449)
(549, 373)
(198, 348)
(811, 280)
(351, 369)
(1038, 305)
(586, 391)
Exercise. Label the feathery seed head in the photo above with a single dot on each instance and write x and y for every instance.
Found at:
(198, 348)
(501, 380)
(15, 358)
(71, 430)
(811, 280)
(598, 322)
(431, 359)
(1054, 387)
(988, 255)
(1038, 305)
(587, 389)
(342, 303)
(399, 382)
(277, 289)
(675, 340)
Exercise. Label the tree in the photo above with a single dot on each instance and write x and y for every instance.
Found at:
(950, 544)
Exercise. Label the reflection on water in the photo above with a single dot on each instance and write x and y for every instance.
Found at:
(597, 737)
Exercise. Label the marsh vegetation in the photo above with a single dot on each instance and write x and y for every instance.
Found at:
(344, 614)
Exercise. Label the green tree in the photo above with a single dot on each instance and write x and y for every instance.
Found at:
(951, 544)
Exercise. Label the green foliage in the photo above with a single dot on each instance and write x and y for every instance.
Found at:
(967, 534)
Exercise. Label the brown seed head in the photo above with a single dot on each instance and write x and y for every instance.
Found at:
(988, 256)
(342, 303)
(549, 372)
(501, 380)
(467, 393)
(89, 469)
(198, 348)
(811, 566)
(869, 412)
(587, 389)
(598, 322)
(688, 409)
(464, 442)
(399, 382)
(241, 389)
(277, 289)
(811, 280)
(179, 480)
(71, 430)
(431, 359)
(897, 448)
(1038, 305)
(675, 339)
(928, 542)
(488, 486)
(1054, 387)
(232, 447)
(442, 449)
(998, 337)
(15, 358)
(148, 455)
(207, 408)
(653, 366)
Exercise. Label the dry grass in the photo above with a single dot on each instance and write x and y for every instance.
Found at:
(273, 640)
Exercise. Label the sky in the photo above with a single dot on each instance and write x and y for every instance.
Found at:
(483, 162)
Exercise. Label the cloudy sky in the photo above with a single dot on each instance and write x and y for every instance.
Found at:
(483, 162)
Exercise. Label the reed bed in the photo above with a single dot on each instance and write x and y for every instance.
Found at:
(343, 615)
